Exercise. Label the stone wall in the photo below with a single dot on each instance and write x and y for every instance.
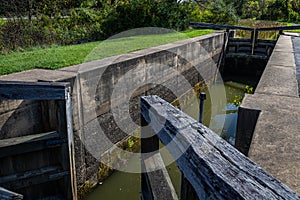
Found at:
(105, 95)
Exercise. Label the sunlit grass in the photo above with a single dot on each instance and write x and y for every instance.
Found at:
(56, 57)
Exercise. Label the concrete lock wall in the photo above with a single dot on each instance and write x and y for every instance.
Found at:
(100, 86)
(268, 120)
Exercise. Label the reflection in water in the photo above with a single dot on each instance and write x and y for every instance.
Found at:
(121, 185)
(223, 110)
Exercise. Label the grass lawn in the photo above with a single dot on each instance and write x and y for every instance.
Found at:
(61, 56)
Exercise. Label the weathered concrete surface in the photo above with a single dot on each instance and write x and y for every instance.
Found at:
(279, 77)
(275, 143)
(276, 140)
(296, 42)
(158, 70)
(36, 75)
(275, 81)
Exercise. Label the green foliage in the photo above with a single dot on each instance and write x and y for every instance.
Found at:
(66, 22)
(47, 22)
(130, 143)
(238, 99)
(249, 89)
(222, 13)
(251, 10)
(194, 32)
(20, 34)
(147, 13)
(217, 12)
(277, 10)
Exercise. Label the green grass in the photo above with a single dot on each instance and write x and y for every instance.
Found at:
(56, 57)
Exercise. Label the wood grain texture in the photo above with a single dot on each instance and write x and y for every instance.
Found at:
(26, 144)
(10, 90)
(214, 168)
(9, 195)
(159, 180)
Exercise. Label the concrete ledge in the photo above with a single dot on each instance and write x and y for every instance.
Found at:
(284, 44)
(39, 75)
(278, 80)
(274, 141)
(296, 42)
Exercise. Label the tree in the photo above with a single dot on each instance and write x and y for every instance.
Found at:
(263, 4)
(14, 8)
(251, 10)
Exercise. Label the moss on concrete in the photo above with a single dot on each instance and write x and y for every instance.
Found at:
(103, 172)
(84, 189)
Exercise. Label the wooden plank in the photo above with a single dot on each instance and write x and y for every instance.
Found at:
(28, 139)
(9, 195)
(239, 40)
(29, 178)
(245, 55)
(221, 59)
(159, 179)
(59, 175)
(29, 143)
(215, 169)
(237, 44)
(187, 190)
(243, 49)
(260, 51)
(218, 26)
(33, 91)
(254, 34)
(282, 28)
(64, 152)
(221, 26)
(58, 114)
(266, 42)
(71, 145)
(149, 146)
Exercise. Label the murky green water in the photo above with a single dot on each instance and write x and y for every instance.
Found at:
(121, 185)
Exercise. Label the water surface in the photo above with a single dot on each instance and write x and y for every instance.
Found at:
(121, 185)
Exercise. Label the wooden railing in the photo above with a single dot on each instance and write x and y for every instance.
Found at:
(40, 165)
(211, 167)
(232, 27)
(9, 195)
(247, 47)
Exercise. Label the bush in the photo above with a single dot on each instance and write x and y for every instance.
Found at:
(83, 25)
(145, 13)
(251, 10)
(20, 34)
(216, 12)
(220, 13)
(97, 20)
